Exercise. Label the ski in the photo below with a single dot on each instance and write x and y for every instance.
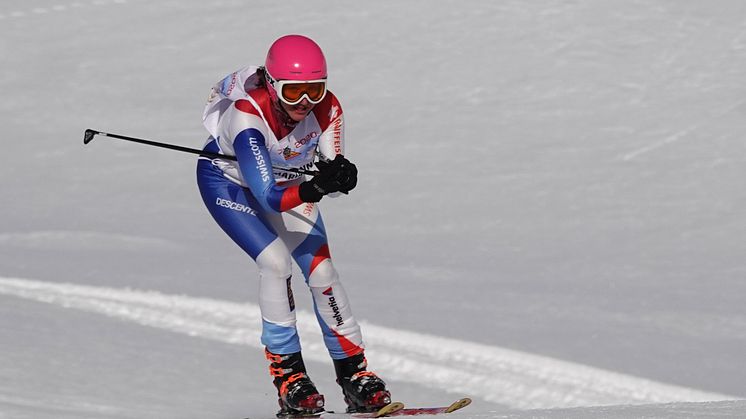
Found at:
(385, 411)
(414, 411)
(390, 410)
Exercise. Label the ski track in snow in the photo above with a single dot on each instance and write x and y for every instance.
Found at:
(682, 133)
(512, 378)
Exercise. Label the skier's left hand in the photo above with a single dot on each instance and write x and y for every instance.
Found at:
(346, 173)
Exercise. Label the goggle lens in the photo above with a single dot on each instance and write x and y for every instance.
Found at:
(294, 92)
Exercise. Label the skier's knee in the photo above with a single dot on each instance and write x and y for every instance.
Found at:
(323, 275)
(276, 268)
(275, 261)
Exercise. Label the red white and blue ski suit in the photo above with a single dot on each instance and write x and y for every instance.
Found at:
(257, 204)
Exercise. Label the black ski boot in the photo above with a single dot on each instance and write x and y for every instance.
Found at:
(296, 393)
(363, 390)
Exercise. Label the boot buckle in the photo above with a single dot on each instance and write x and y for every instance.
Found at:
(274, 357)
(278, 372)
(293, 378)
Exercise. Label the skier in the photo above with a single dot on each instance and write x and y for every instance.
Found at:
(276, 119)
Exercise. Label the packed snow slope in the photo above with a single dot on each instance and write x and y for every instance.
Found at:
(549, 213)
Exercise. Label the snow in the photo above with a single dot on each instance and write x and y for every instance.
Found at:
(549, 204)
(491, 373)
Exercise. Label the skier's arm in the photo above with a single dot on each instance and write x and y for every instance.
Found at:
(256, 169)
(249, 134)
(254, 161)
(331, 141)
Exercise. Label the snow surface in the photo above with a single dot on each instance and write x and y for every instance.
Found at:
(549, 217)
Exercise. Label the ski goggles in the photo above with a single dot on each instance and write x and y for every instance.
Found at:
(293, 92)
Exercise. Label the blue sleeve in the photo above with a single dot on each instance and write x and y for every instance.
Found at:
(256, 169)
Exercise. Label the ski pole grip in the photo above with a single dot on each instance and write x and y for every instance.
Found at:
(88, 136)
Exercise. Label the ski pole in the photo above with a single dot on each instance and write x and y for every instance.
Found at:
(90, 133)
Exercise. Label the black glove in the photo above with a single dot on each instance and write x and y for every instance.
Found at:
(339, 175)
(347, 173)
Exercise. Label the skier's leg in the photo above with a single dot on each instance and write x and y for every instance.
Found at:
(304, 232)
(302, 229)
(240, 216)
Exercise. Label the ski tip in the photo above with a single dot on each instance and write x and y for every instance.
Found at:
(389, 409)
(459, 404)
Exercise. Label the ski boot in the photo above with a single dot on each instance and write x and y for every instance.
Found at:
(363, 390)
(297, 395)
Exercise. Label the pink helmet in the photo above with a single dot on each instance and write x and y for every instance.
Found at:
(295, 57)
